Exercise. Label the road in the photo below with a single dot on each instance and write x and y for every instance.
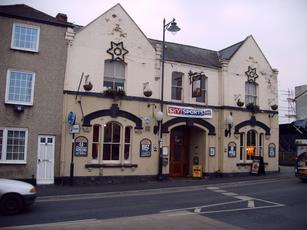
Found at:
(274, 203)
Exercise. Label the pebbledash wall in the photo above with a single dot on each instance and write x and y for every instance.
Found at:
(118, 134)
(33, 57)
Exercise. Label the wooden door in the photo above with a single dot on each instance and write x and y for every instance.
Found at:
(179, 155)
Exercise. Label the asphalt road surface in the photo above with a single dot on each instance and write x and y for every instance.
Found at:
(271, 203)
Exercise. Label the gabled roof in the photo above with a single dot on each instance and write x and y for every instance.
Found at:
(189, 54)
(24, 12)
(227, 53)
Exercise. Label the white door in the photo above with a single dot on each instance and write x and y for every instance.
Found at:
(45, 160)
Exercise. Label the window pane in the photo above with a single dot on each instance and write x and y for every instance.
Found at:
(116, 133)
(96, 133)
(176, 85)
(15, 145)
(108, 132)
(127, 134)
(115, 152)
(20, 86)
(251, 144)
(127, 152)
(114, 74)
(25, 37)
(202, 98)
(106, 152)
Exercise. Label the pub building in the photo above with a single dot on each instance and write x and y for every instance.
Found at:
(216, 115)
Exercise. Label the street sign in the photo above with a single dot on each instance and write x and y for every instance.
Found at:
(74, 128)
(71, 118)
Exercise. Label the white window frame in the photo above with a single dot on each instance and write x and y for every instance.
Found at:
(8, 77)
(27, 26)
(176, 86)
(126, 143)
(248, 96)
(120, 143)
(115, 78)
(3, 160)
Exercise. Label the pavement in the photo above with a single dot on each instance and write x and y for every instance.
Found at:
(58, 190)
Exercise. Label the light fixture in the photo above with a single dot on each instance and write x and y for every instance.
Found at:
(172, 27)
(159, 115)
(229, 123)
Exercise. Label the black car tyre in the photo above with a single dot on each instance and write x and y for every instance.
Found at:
(304, 180)
(11, 204)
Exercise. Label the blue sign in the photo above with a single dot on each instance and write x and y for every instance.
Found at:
(71, 118)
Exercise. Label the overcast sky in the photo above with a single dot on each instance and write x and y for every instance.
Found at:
(278, 26)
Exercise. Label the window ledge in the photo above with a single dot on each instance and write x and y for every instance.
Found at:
(248, 163)
(111, 165)
(24, 50)
(13, 162)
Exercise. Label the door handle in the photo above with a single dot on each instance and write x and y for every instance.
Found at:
(39, 160)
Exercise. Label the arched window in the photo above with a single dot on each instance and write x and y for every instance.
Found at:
(112, 142)
(114, 74)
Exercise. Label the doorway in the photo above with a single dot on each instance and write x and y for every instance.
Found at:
(45, 160)
(187, 148)
(179, 152)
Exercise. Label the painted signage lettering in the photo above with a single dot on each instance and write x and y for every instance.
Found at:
(179, 111)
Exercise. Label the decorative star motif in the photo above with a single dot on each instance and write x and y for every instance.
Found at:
(117, 51)
(251, 74)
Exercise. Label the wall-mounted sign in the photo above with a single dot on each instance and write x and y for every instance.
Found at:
(272, 150)
(71, 117)
(145, 148)
(196, 86)
(211, 151)
(232, 149)
(180, 111)
(74, 128)
(81, 146)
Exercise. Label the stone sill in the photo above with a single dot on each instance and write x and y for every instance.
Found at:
(111, 166)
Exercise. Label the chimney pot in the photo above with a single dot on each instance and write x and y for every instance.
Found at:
(61, 17)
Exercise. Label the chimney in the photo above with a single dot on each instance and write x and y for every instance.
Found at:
(61, 17)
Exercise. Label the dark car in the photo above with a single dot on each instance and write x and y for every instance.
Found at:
(15, 195)
(301, 166)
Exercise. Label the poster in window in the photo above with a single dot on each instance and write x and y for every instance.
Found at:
(81, 146)
(196, 86)
(232, 149)
(145, 148)
(272, 150)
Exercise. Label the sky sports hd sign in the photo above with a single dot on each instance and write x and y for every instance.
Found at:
(179, 111)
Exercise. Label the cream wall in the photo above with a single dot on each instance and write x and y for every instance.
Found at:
(88, 51)
(249, 54)
(212, 83)
(146, 165)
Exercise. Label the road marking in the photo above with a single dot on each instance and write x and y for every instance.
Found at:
(224, 210)
(213, 188)
(219, 190)
(244, 197)
(203, 206)
(230, 194)
(54, 224)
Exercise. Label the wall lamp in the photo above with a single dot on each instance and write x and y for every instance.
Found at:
(229, 124)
